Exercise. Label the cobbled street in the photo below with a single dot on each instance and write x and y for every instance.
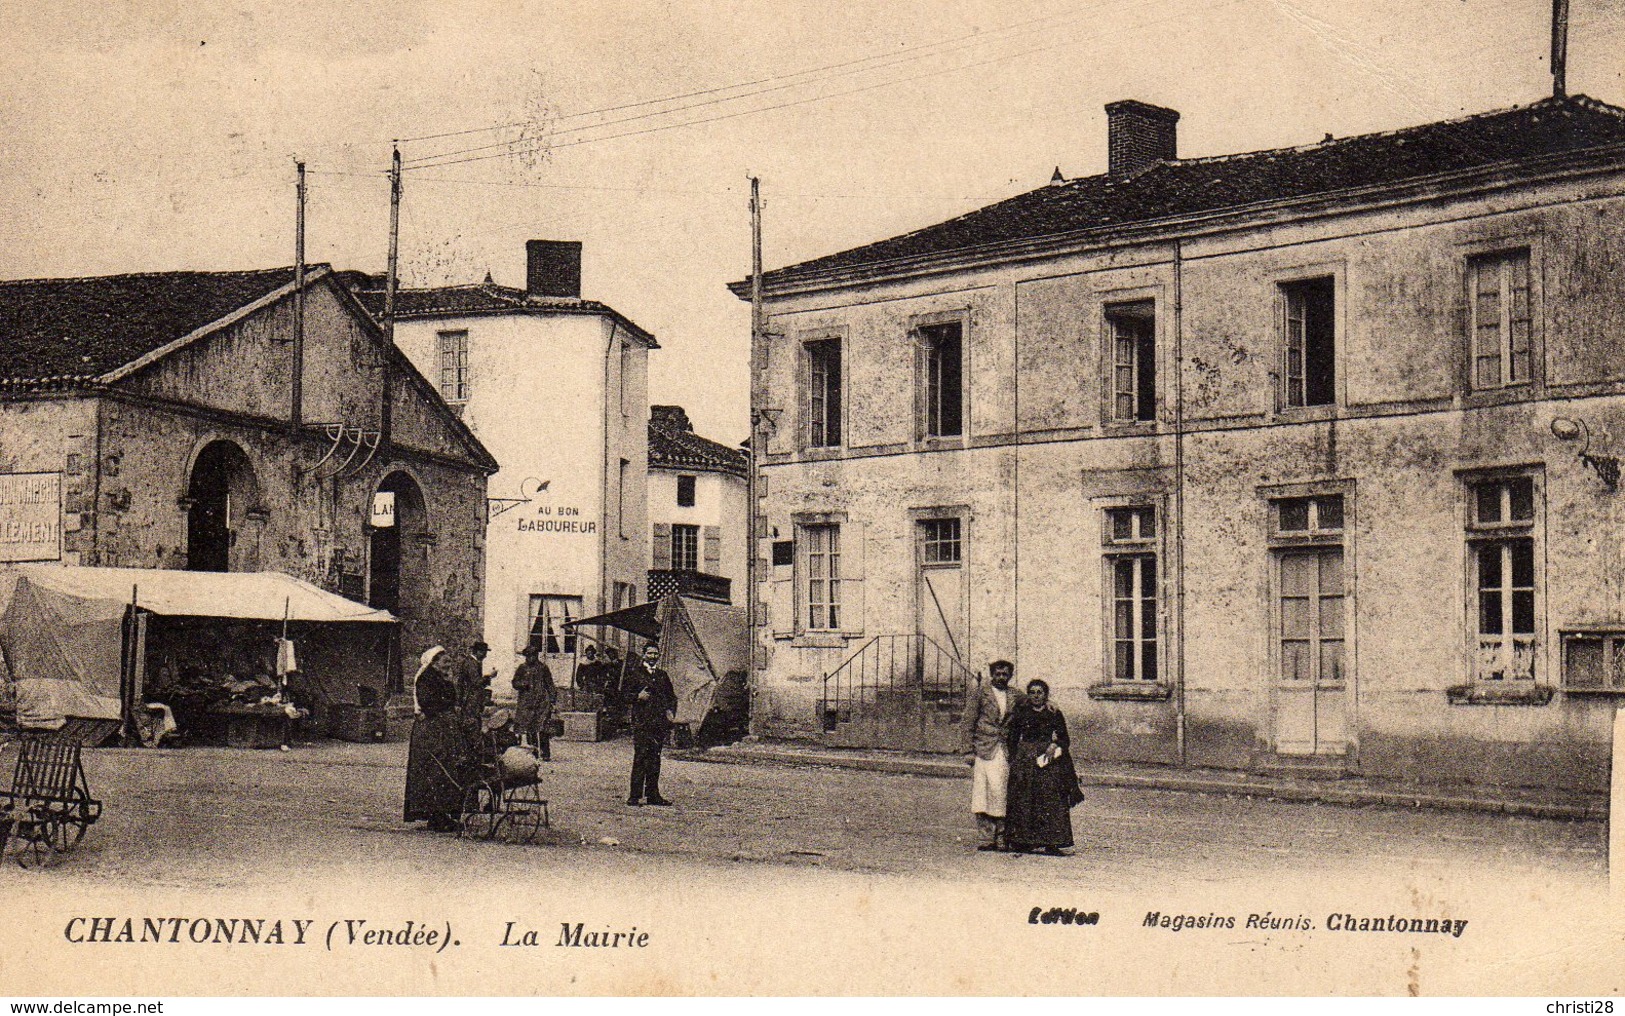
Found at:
(779, 877)
(193, 816)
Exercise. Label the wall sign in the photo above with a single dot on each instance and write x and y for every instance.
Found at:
(561, 518)
(30, 516)
(383, 509)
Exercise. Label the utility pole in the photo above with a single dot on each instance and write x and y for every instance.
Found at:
(1560, 48)
(758, 341)
(297, 382)
(391, 282)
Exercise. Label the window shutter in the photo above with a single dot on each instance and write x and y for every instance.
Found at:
(803, 426)
(853, 539)
(782, 601)
(713, 550)
(662, 546)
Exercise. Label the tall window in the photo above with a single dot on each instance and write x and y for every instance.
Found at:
(1501, 545)
(1499, 295)
(822, 577)
(1309, 363)
(821, 400)
(1131, 570)
(626, 379)
(685, 492)
(452, 348)
(548, 615)
(1133, 336)
(685, 548)
(620, 497)
(942, 376)
(1311, 594)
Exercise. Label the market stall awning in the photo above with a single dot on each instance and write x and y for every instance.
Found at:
(267, 596)
(62, 628)
(642, 620)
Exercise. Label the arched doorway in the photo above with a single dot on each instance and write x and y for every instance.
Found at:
(222, 491)
(395, 557)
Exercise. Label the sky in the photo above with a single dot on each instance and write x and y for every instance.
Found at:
(162, 135)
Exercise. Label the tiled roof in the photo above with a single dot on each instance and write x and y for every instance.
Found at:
(475, 299)
(1183, 187)
(674, 445)
(58, 332)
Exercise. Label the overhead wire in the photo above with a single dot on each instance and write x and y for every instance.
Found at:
(916, 52)
(886, 61)
(537, 145)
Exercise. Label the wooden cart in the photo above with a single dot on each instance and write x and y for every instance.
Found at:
(497, 804)
(48, 808)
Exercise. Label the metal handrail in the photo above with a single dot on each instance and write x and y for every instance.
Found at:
(893, 663)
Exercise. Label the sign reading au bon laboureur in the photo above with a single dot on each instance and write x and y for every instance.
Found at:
(30, 516)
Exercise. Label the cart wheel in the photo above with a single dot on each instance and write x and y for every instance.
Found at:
(66, 830)
(39, 836)
(479, 819)
(75, 821)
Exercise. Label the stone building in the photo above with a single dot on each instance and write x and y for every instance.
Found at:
(557, 388)
(185, 420)
(696, 511)
(1292, 458)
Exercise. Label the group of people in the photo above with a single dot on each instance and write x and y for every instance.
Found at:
(452, 725)
(451, 728)
(1023, 783)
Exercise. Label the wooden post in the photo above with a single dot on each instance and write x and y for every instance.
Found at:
(758, 361)
(391, 283)
(297, 381)
(1616, 810)
(1560, 48)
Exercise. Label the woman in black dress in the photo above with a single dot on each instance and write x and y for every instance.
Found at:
(438, 756)
(1043, 783)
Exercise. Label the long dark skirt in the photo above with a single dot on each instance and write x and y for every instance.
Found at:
(1037, 803)
(436, 768)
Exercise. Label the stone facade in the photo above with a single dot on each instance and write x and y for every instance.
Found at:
(129, 447)
(1459, 580)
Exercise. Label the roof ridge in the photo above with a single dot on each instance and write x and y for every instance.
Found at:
(1548, 102)
(157, 274)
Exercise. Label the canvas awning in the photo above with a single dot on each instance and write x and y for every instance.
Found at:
(642, 620)
(262, 596)
(62, 629)
(702, 646)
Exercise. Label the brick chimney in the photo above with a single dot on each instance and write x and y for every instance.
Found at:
(1139, 135)
(553, 268)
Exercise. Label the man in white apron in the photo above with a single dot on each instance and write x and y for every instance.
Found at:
(987, 720)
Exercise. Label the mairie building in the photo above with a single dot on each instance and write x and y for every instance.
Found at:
(1301, 458)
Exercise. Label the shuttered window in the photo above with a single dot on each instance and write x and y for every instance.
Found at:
(1498, 292)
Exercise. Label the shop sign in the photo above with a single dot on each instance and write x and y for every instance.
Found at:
(560, 518)
(383, 509)
(30, 516)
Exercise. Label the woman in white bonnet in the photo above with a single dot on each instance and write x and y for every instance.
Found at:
(437, 759)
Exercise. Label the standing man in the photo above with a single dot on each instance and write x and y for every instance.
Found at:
(588, 669)
(654, 709)
(533, 683)
(987, 723)
(610, 674)
(473, 686)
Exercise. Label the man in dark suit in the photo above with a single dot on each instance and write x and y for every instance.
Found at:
(649, 691)
(473, 686)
